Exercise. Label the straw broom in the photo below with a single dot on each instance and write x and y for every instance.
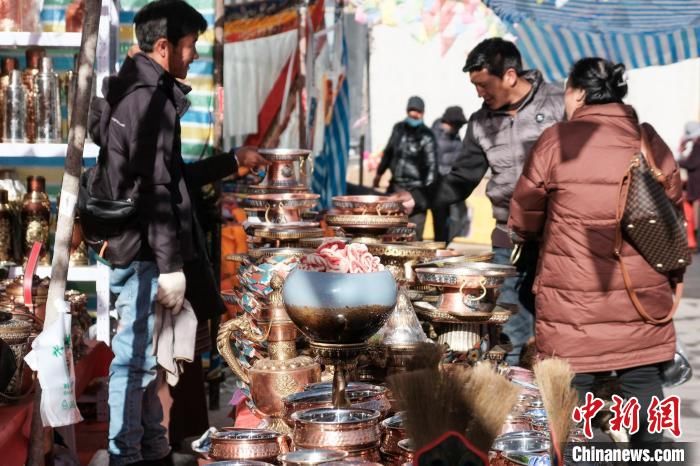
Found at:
(554, 378)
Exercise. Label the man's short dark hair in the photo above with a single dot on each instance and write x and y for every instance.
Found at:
(496, 56)
(171, 19)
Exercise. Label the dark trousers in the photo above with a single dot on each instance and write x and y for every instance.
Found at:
(642, 382)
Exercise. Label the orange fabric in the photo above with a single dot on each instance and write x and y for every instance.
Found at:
(690, 223)
(233, 240)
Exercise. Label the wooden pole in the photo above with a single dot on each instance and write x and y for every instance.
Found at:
(74, 160)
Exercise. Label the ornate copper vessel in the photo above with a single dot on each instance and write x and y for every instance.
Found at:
(367, 204)
(355, 431)
(393, 432)
(247, 444)
(283, 373)
(287, 170)
(40, 291)
(467, 288)
(36, 216)
(363, 396)
(282, 208)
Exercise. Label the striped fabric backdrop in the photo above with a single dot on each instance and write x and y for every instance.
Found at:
(330, 165)
(553, 34)
(197, 126)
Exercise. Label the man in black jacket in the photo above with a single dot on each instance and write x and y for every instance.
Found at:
(411, 155)
(159, 257)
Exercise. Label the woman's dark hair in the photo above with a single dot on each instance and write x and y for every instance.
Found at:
(603, 81)
(496, 56)
(171, 19)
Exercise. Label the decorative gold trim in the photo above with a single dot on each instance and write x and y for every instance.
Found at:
(266, 253)
(288, 233)
(367, 220)
(400, 250)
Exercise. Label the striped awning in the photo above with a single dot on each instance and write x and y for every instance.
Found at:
(553, 34)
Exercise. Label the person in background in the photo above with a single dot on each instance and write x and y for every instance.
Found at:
(411, 155)
(691, 164)
(161, 252)
(452, 220)
(518, 106)
(567, 198)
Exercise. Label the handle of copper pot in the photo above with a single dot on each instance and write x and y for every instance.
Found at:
(482, 284)
(29, 271)
(280, 212)
(223, 344)
(37, 320)
(379, 210)
(284, 442)
(267, 213)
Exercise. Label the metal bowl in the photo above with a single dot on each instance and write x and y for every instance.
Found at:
(279, 154)
(253, 444)
(239, 463)
(372, 397)
(311, 457)
(367, 204)
(349, 429)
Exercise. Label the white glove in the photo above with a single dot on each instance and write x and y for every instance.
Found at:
(171, 290)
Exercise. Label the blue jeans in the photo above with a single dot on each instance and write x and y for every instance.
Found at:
(135, 413)
(518, 290)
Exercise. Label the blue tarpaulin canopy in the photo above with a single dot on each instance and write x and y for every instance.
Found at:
(553, 34)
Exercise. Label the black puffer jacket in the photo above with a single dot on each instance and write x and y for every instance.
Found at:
(411, 155)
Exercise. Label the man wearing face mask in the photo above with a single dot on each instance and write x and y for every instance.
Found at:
(411, 155)
(518, 106)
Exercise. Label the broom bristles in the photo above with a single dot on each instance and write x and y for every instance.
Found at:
(491, 398)
(554, 378)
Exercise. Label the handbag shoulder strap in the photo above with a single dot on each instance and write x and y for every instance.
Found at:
(648, 155)
(622, 200)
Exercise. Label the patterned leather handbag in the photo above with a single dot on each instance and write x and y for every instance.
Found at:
(651, 223)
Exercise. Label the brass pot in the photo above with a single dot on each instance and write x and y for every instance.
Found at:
(248, 444)
(372, 397)
(351, 430)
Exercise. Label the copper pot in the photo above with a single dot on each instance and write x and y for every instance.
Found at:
(367, 204)
(408, 450)
(40, 291)
(351, 430)
(393, 431)
(283, 207)
(372, 397)
(287, 169)
(311, 457)
(248, 444)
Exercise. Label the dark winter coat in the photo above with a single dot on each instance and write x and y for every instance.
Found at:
(449, 146)
(143, 159)
(568, 195)
(692, 165)
(411, 155)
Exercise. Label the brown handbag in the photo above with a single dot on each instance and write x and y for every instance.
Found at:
(651, 223)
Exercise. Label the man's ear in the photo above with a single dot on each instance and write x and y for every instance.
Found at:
(510, 77)
(160, 47)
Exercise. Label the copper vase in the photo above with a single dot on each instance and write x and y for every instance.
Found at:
(36, 216)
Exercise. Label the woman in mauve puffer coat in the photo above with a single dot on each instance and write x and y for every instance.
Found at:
(567, 196)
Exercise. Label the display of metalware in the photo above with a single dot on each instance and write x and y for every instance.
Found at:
(36, 216)
(400, 259)
(338, 313)
(282, 207)
(355, 431)
(248, 444)
(287, 171)
(14, 108)
(364, 396)
(311, 457)
(14, 296)
(284, 372)
(468, 289)
(518, 448)
(48, 104)
(367, 204)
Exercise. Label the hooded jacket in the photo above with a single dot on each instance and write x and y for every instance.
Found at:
(140, 158)
(568, 195)
(498, 141)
